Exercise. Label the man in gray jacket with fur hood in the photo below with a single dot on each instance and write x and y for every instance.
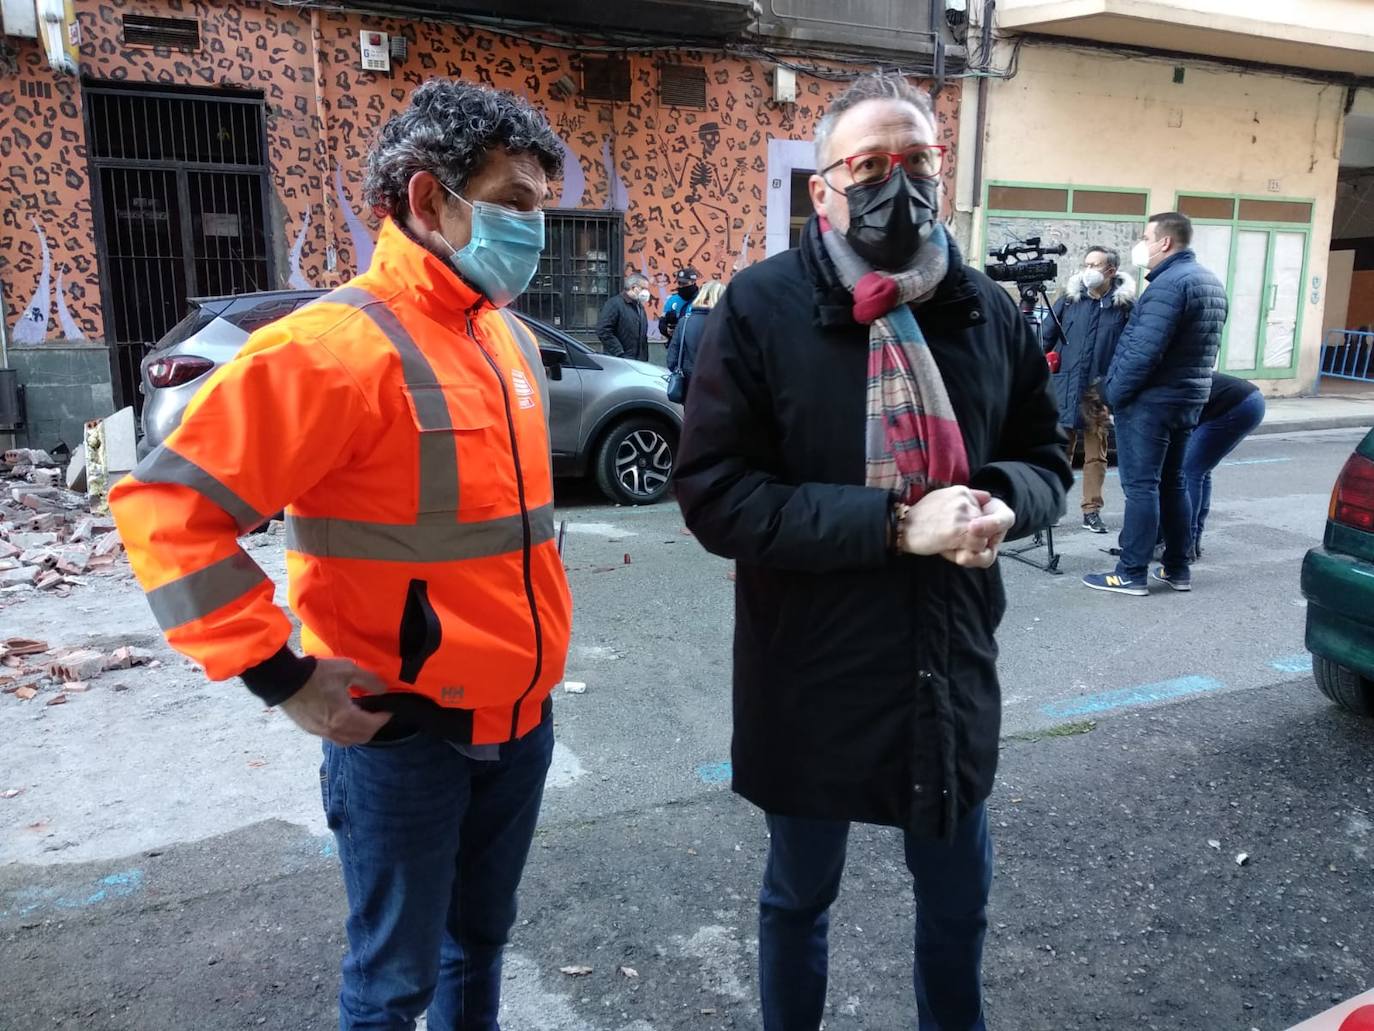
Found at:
(1092, 312)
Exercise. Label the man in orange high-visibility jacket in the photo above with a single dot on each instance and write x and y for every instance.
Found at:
(401, 421)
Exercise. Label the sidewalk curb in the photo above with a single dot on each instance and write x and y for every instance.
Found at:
(1332, 422)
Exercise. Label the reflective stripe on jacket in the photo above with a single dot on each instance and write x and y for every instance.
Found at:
(400, 421)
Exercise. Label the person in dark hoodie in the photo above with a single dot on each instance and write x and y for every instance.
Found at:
(869, 419)
(1092, 313)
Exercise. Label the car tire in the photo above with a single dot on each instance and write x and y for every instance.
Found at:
(634, 464)
(1345, 687)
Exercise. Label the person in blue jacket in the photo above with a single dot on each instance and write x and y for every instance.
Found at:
(1086, 325)
(1157, 384)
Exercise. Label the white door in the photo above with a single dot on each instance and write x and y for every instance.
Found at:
(1248, 303)
(1285, 294)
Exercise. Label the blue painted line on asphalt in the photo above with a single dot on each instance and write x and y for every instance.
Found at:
(114, 886)
(1299, 663)
(1126, 697)
(714, 773)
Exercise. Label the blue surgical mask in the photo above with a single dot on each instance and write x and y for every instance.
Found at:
(503, 254)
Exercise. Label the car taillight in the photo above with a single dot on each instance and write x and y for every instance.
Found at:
(177, 369)
(1352, 501)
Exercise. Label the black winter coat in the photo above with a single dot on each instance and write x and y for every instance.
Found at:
(1087, 344)
(1167, 350)
(865, 684)
(623, 329)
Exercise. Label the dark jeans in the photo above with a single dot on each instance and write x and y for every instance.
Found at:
(1150, 444)
(801, 880)
(432, 845)
(1212, 441)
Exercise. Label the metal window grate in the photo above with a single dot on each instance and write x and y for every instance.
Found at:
(143, 30)
(606, 78)
(129, 126)
(580, 269)
(682, 85)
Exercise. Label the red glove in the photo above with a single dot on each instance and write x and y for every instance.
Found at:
(1053, 358)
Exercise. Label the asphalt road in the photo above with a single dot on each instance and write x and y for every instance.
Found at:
(1149, 743)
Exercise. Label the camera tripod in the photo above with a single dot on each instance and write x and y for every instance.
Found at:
(1031, 294)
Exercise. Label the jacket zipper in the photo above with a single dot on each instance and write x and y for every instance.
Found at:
(527, 536)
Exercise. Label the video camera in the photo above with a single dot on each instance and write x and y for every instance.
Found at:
(1024, 261)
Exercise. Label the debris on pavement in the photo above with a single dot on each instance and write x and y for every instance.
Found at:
(574, 687)
(1242, 858)
(48, 535)
(629, 972)
(575, 970)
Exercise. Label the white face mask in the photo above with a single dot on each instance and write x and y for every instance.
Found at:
(1140, 254)
(643, 296)
(1092, 279)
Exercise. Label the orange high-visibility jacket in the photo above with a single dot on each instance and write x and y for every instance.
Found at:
(401, 422)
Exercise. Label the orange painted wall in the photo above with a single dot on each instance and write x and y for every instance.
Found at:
(692, 183)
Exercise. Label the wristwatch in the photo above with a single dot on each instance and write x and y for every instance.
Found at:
(896, 517)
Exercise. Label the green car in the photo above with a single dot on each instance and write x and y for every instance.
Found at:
(1338, 583)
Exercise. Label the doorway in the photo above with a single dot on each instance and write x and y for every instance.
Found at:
(180, 190)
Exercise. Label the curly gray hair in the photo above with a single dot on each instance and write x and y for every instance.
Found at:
(448, 129)
(876, 86)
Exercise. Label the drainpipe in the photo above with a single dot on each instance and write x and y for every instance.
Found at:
(330, 259)
(11, 439)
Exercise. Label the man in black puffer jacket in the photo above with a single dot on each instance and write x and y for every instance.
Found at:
(1157, 384)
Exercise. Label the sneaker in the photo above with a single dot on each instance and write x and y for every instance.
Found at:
(1179, 581)
(1092, 521)
(1116, 584)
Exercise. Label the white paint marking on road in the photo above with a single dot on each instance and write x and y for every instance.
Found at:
(600, 530)
(565, 769)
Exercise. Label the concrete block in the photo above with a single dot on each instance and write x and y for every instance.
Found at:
(76, 469)
(121, 444)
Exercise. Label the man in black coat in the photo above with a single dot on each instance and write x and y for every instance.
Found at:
(865, 680)
(623, 327)
(1092, 313)
(1156, 386)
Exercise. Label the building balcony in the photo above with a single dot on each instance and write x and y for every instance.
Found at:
(1322, 35)
(684, 19)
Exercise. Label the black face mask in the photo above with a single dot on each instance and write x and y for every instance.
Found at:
(687, 293)
(886, 219)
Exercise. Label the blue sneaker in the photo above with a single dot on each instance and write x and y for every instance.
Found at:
(1178, 581)
(1116, 584)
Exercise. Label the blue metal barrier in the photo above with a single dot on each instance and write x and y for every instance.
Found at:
(1347, 355)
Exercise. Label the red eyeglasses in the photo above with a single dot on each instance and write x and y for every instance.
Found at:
(876, 166)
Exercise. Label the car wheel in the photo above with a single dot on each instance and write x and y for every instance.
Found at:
(635, 462)
(1343, 686)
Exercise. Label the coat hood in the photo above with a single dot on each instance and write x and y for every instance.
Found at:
(1123, 290)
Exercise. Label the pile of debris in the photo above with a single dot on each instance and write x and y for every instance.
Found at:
(49, 539)
(30, 669)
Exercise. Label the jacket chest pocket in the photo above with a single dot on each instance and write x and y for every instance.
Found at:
(460, 448)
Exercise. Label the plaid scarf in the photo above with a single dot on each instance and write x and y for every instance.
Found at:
(913, 442)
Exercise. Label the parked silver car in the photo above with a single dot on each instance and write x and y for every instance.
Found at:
(610, 418)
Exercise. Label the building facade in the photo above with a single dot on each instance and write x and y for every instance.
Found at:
(1091, 116)
(206, 149)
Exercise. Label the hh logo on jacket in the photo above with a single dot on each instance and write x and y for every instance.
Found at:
(523, 390)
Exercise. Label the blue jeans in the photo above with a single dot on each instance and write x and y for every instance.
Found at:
(432, 845)
(1150, 444)
(802, 877)
(1212, 441)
